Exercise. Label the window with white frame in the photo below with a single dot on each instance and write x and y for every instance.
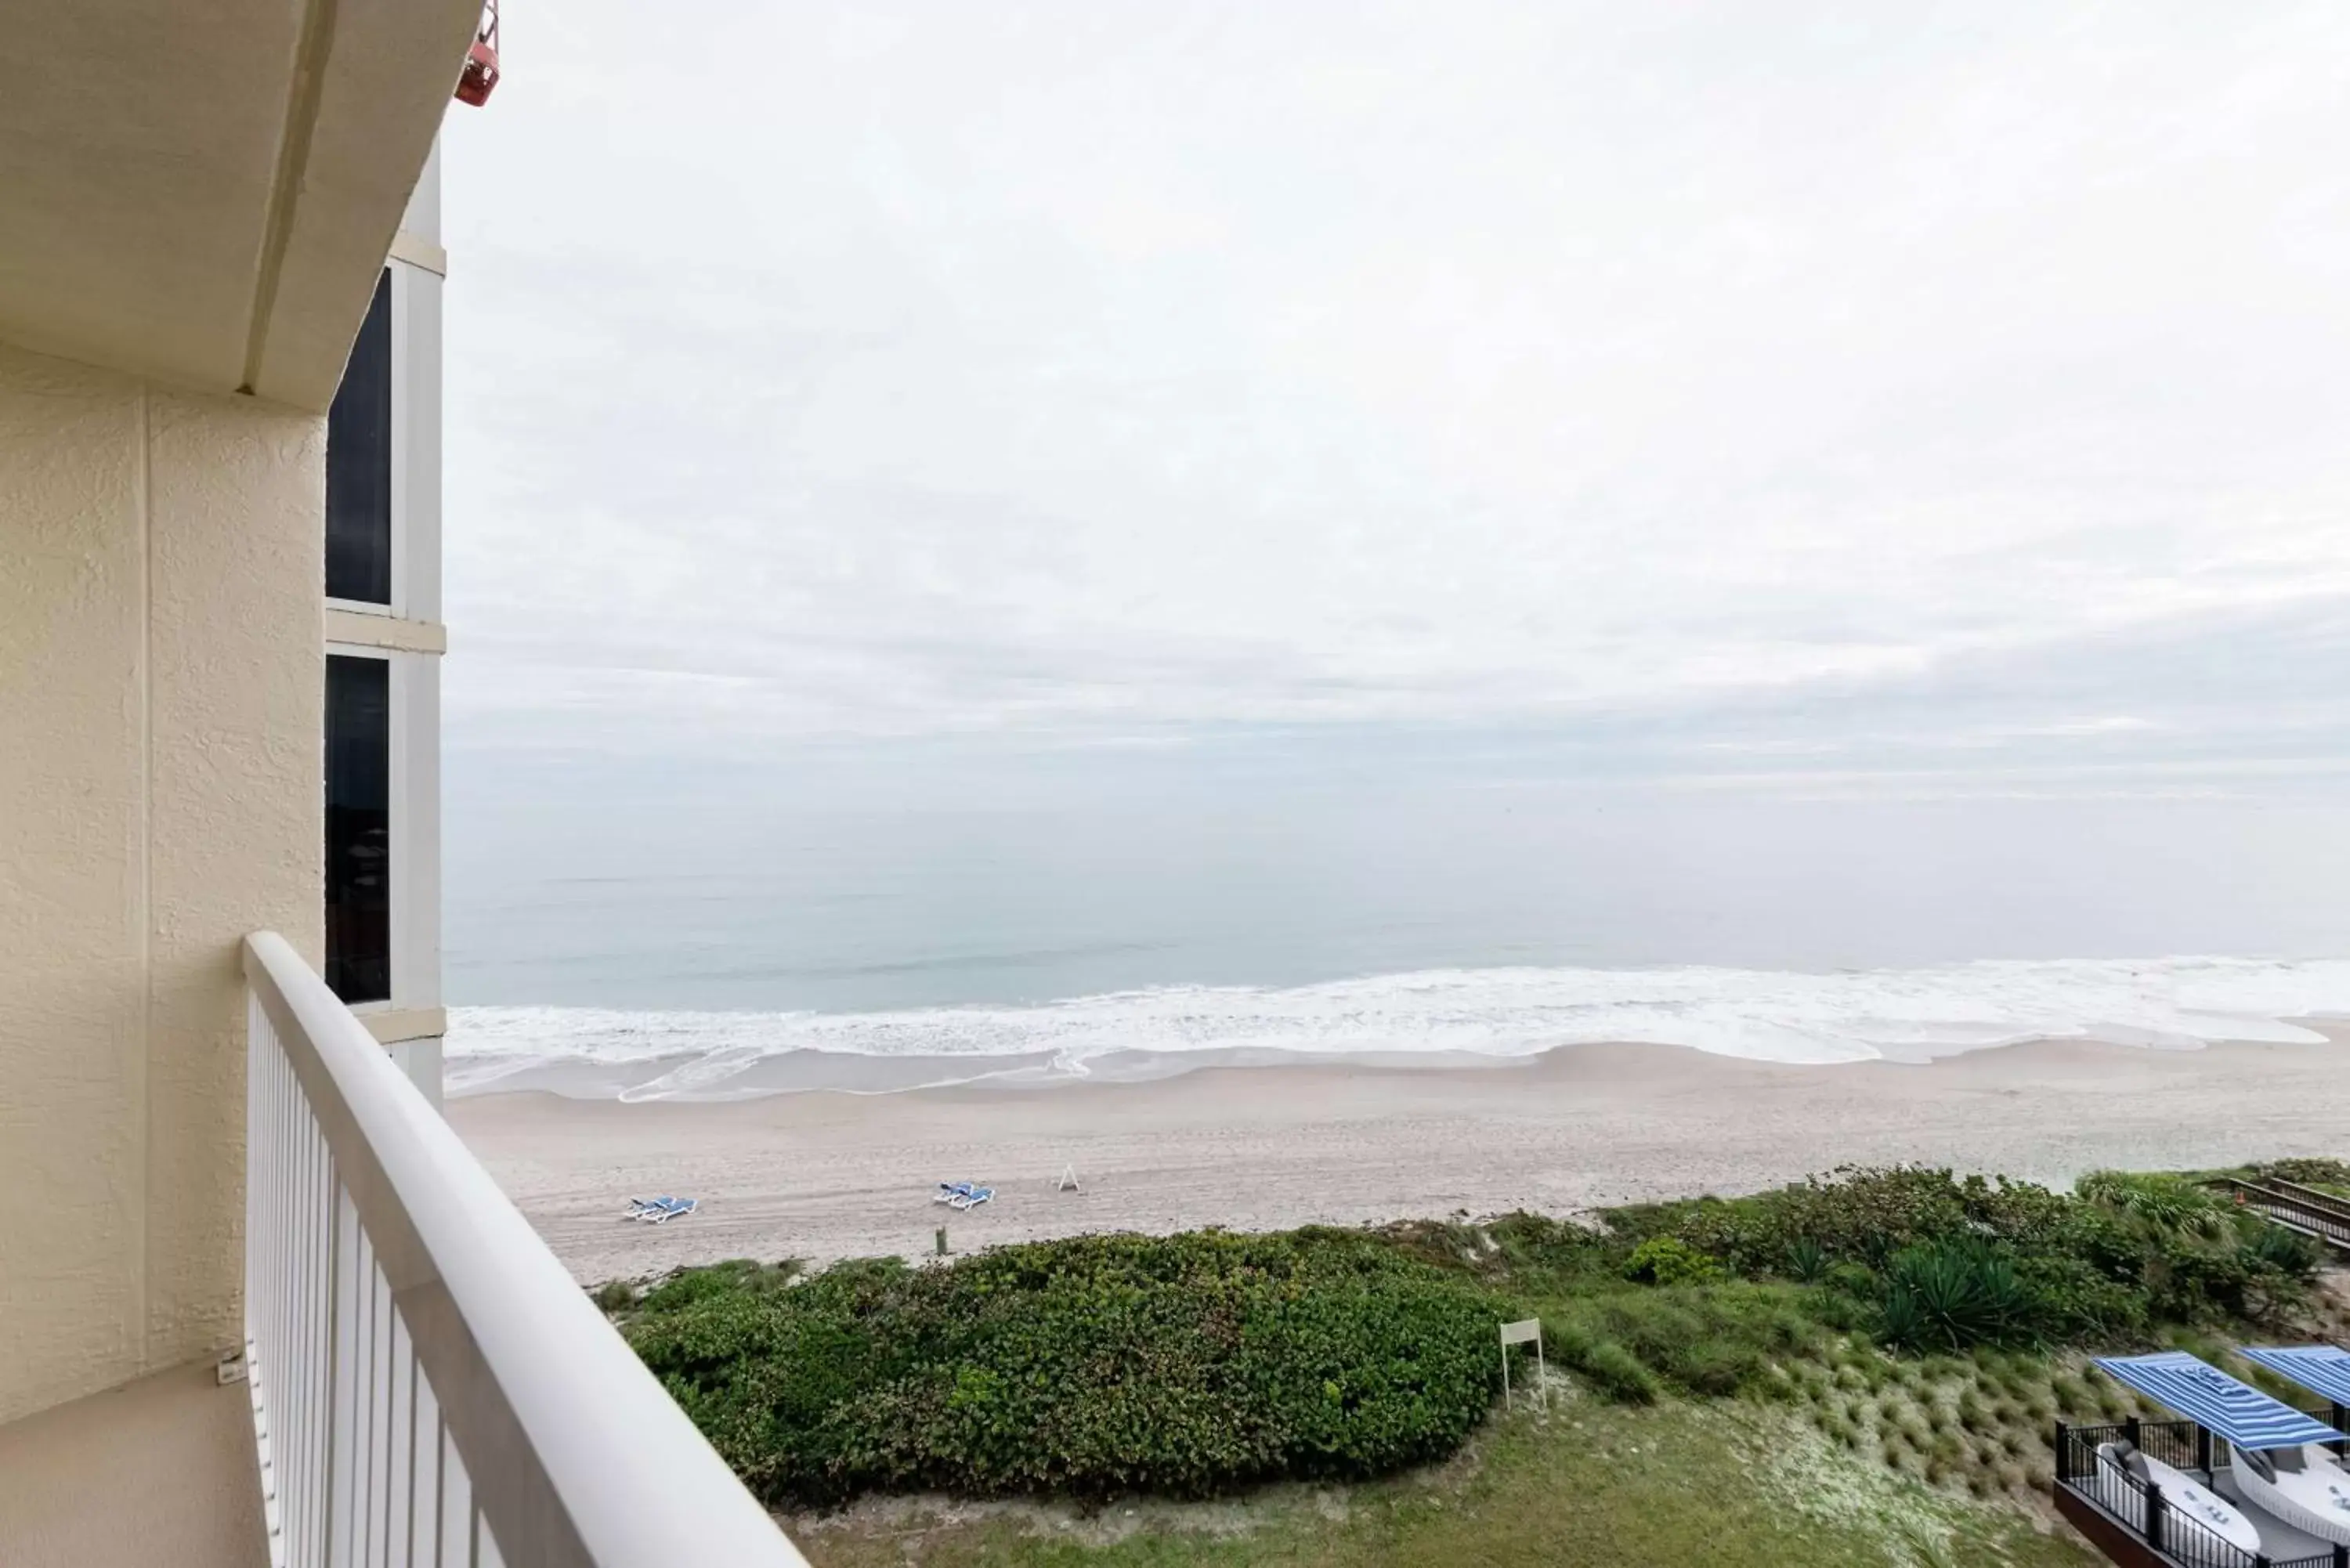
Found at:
(360, 464)
(383, 666)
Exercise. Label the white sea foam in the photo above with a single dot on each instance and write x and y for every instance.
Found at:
(1775, 1016)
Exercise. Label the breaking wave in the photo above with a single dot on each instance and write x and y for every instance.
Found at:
(1490, 1016)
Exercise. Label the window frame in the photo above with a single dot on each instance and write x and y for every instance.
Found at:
(413, 694)
(397, 306)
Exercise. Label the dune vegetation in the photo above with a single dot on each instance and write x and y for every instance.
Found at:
(1900, 1328)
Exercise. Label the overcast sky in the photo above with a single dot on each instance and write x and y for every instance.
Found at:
(1896, 397)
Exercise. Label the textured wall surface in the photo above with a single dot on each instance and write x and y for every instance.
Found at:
(160, 797)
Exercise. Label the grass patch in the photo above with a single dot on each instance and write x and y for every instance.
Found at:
(1593, 1486)
(1719, 1340)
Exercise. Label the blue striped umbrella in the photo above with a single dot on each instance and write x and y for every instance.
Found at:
(2215, 1401)
(2322, 1369)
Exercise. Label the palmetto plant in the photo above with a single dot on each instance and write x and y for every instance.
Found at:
(1949, 1295)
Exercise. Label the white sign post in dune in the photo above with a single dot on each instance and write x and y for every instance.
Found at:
(1526, 1330)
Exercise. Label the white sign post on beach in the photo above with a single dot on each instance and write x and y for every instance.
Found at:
(1526, 1330)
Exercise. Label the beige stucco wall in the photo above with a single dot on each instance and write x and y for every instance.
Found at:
(160, 797)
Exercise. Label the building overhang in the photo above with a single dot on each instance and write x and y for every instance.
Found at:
(205, 193)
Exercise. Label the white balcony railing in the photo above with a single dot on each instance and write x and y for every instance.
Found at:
(430, 1387)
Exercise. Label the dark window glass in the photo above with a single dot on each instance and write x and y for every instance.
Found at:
(358, 828)
(359, 464)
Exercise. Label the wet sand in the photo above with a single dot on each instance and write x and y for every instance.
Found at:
(825, 1175)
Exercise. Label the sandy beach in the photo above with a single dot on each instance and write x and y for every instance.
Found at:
(826, 1175)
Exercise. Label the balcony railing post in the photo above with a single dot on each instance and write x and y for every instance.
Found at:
(2064, 1451)
(2340, 1555)
(2130, 1431)
(2203, 1450)
(2154, 1509)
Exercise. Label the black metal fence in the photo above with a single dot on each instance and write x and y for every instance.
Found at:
(2181, 1445)
(2176, 1536)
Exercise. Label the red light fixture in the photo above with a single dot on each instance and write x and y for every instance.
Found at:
(481, 76)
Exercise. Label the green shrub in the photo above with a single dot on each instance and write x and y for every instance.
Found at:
(2100, 1268)
(2319, 1173)
(2284, 1251)
(1670, 1261)
(1719, 1370)
(1616, 1372)
(2075, 1303)
(1537, 1246)
(1091, 1366)
(1531, 1254)
(2169, 1202)
(1855, 1214)
(2184, 1264)
(734, 1277)
(1952, 1294)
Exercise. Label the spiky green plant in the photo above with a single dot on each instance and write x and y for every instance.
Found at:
(1952, 1294)
(2165, 1201)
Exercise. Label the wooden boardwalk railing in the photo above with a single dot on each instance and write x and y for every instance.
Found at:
(2304, 1209)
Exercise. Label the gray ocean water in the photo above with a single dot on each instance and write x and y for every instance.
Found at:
(588, 918)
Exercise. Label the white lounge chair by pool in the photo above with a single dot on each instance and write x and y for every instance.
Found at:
(2119, 1463)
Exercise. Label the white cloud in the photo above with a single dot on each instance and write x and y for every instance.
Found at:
(1792, 375)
